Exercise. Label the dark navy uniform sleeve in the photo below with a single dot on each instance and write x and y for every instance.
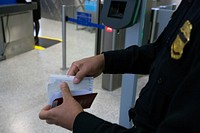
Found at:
(133, 59)
(88, 123)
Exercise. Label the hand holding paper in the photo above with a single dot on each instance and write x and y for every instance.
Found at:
(82, 92)
(64, 114)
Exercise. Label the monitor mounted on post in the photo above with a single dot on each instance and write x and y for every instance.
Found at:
(120, 14)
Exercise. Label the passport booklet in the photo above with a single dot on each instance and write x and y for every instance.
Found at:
(82, 92)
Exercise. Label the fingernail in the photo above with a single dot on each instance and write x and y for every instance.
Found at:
(76, 80)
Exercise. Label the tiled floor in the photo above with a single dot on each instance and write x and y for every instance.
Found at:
(24, 80)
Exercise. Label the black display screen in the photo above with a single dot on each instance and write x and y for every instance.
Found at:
(117, 9)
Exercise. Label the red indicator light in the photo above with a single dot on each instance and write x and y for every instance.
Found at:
(108, 29)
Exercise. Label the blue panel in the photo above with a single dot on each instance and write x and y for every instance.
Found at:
(84, 18)
(90, 6)
(6, 2)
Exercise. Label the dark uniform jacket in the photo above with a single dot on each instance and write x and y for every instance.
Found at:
(170, 101)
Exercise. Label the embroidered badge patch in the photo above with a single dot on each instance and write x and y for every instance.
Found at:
(181, 40)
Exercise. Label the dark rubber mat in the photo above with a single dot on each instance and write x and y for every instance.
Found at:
(47, 42)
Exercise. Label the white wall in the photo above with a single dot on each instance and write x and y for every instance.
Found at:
(170, 1)
(165, 2)
(177, 1)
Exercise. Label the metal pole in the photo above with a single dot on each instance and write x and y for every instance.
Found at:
(155, 14)
(98, 31)
(64, 60)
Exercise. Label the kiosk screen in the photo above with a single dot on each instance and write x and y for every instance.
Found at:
(117, 9)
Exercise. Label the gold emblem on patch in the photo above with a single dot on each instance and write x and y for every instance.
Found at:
(181, 40)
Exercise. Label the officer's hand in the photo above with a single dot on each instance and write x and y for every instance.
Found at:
(64, 114)
(92, 66)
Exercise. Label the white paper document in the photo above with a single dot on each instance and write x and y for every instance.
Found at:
(54, 92)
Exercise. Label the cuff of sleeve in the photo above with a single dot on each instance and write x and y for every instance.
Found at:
(111, 57)
(86, 123)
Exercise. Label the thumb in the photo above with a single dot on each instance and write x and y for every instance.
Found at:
(65, 90)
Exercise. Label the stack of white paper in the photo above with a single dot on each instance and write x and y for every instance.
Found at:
(54, 92)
